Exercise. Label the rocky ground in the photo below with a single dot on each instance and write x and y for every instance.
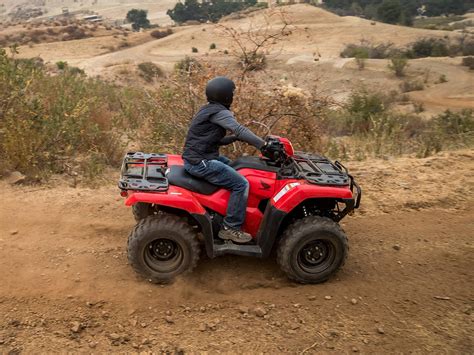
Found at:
(406, 287)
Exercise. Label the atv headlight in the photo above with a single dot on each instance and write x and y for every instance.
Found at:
(284, 190)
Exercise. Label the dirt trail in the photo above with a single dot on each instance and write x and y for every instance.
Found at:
(407, 285)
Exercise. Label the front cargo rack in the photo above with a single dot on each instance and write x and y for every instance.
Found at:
(319, 170)
(144, 172)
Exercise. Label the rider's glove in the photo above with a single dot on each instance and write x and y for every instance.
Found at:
(271, 150)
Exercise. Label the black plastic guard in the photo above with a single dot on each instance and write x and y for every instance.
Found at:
(268, 231)
(205, 222)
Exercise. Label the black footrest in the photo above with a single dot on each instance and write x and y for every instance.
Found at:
(237, 249)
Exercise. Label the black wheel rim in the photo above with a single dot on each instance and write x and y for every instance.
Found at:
(316, 256)
(163, 255)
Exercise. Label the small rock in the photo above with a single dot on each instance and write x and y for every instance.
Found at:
(76, 327)
(202, 309)
(291, 331)
(327, 297)
(243, 309)
(354, 349)
(444, 298)
(311, 298)
(259, 311)
(203, 327)
(135, 346)
(114, 336)
(365, 341)
(294, 326)
(16, 178)
(169, 320)
(380, 330)
(14, 232)
(143, 325)
(133, 322)
(92, 344)
(168, 313)
(353, 301)
(397, 247)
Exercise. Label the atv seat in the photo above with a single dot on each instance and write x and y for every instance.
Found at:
(177, 176)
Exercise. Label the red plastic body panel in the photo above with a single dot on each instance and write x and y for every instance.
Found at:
(306, 191)
(175, 197)
(174, 159)
(288, 146)
(262, 186)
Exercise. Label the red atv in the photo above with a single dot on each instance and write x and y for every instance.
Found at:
(295, 203)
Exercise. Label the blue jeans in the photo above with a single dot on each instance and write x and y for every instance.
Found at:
(219, 173)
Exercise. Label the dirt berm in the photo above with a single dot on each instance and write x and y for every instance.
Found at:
(65, 285)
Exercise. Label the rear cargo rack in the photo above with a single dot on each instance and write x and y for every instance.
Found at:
(145, 172)
(319, 170)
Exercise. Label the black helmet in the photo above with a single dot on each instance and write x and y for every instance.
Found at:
(220, 90)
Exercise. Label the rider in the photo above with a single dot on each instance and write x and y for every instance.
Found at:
(201, 153)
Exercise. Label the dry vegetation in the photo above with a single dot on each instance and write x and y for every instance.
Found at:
(68, 123)
(55, 30)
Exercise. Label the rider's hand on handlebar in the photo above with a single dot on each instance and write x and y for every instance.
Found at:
(271, 149)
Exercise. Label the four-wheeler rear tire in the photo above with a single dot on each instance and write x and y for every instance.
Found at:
(312, 249)
(162, 247)
(142, 210)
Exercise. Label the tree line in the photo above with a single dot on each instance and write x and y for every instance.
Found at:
(399, 11)
(192, 10)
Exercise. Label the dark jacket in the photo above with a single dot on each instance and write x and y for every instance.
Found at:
(207, 131)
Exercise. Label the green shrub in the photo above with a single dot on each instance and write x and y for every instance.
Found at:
(468, 62)
(411, 85)
(149, 71)
(398, 65)
(373, 51)
(467, 46)
(442, 79)
(419, 107)
(429, 47)
(161, 33)
(448, 130)
(361, 57)
(187, 65)
(361, 108)
(61, 65)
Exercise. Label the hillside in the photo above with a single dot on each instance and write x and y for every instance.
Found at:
(311, 52)
(110, 9)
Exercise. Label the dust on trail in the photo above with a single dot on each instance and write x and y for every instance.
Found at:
(406, 287)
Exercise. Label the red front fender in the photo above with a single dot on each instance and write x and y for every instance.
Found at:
(288, 201)
(175, 197)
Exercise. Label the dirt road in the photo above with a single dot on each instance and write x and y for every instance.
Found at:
(407, 286)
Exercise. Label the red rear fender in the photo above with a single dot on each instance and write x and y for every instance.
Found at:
(175, 197)
(299, 192)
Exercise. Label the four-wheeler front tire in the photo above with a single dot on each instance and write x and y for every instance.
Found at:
(312, 249)
(162, 247)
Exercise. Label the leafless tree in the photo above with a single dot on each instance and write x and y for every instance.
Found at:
(252, 41)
